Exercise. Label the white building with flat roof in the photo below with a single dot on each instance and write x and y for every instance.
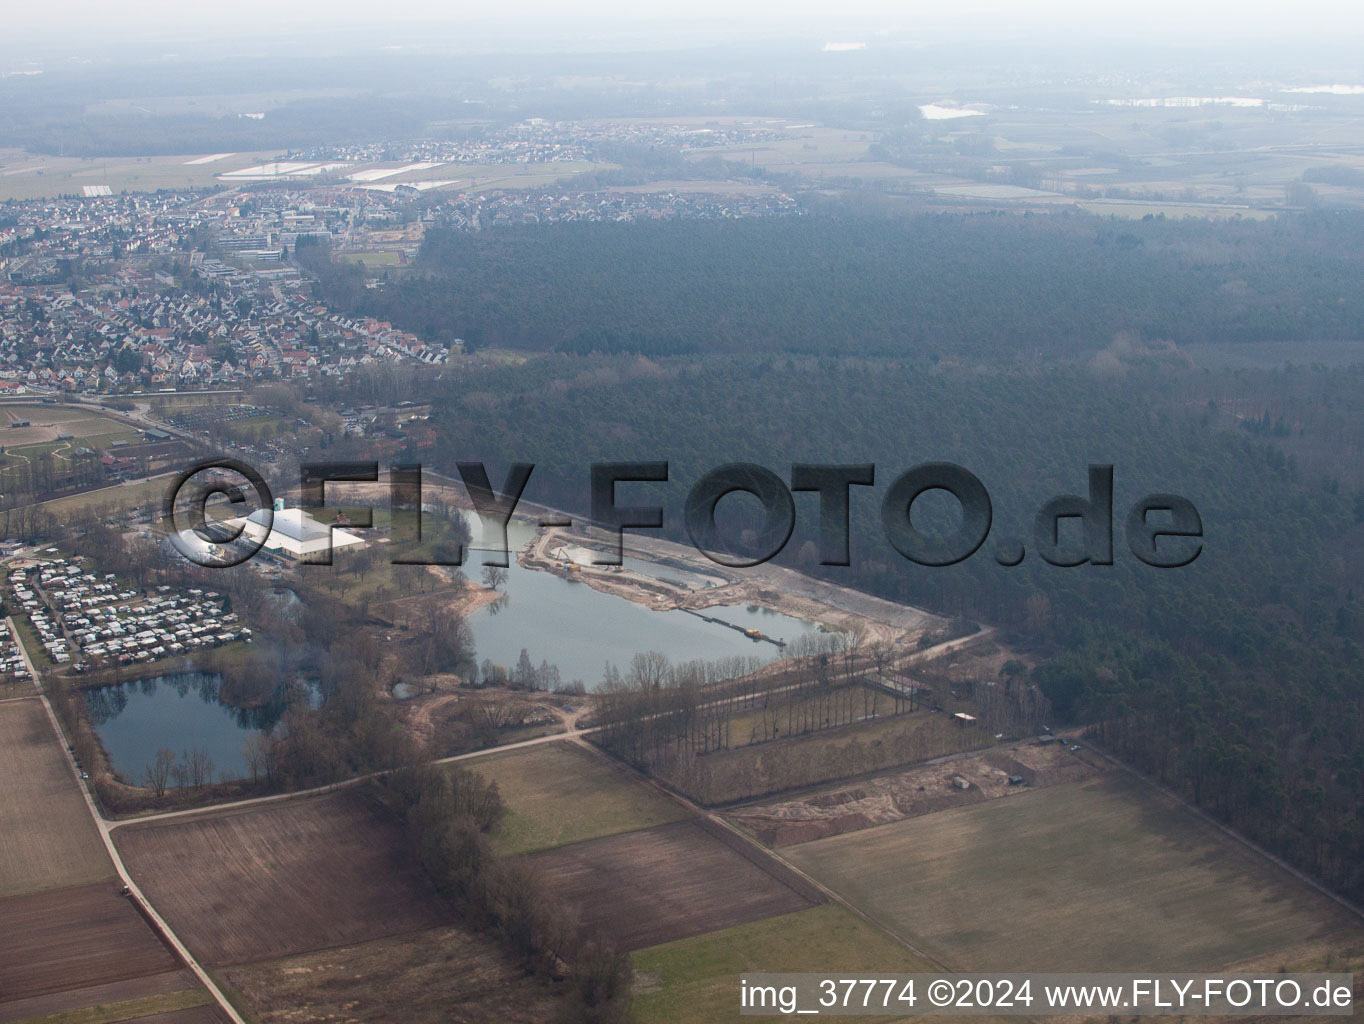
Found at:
(295, 534)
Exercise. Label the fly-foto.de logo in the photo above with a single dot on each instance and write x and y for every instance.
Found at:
(1162, 530)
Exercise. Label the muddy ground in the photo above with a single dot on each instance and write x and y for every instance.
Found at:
(916, 791)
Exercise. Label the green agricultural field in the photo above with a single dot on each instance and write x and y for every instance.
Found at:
(805, 149)
(483, 177)
(698, 978)
(37, 176)
(157, 1009)
(559, 793)
(1136, 210)
(1105, 874)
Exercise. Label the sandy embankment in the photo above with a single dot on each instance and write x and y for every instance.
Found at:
(773, 587)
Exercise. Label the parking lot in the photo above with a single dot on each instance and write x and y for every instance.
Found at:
(92, 620)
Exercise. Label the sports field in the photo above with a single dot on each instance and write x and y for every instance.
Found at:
(697, 978)
(48, 422)
(52, 437)
(47, 838)
(559, 793)
(280, 878)
(1104, 874)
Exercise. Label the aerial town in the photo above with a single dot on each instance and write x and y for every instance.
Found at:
(164, 291)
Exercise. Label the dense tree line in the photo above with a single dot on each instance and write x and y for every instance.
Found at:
(656, 712)
(925, 287)
(448, 812)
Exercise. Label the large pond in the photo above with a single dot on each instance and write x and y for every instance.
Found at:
(579, 629)
(180, 712)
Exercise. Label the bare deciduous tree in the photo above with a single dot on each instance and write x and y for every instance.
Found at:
(256, 753)
(200, 767)
(158, 773)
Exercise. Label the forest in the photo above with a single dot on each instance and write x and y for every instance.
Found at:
(836, 281)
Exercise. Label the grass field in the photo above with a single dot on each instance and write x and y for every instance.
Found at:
(644, 888)
(171, 998)
(280, 878)
(189, 1006)
(808, 149)
(748, 726)
(559, 793)
(697, 978)
(22, 446)
(485, 177)
(27, 637)
(386, 258)
(426, 977)
(47, 838)
(37, 176)
(911, 792)
(47, 421)
(81, 937)
(1135, 210)
(1098, 875)
(149, 494)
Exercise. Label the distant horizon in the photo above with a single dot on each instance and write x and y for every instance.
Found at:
(314, 28)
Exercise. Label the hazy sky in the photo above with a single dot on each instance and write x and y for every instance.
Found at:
(1150, 20)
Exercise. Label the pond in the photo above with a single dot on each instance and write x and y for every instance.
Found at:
(180, 712)
(579, 629)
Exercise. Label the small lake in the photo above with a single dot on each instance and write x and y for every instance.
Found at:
(579, 629)
(180, 712)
